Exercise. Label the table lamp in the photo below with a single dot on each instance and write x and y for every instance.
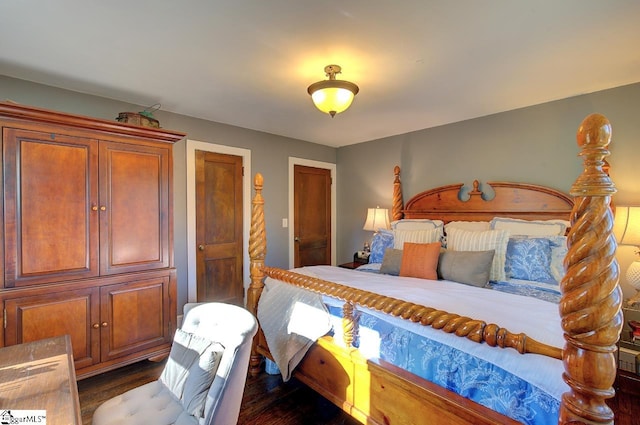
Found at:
(377, 218)
(627, 231)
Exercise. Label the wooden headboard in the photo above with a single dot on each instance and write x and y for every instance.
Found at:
(515, 200)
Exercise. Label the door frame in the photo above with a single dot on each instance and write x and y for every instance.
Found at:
(192, 147)
(317, 164)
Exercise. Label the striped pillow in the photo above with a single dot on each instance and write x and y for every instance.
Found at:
(416, 236)
(465, 240)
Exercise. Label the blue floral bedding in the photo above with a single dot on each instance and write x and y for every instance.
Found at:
(549, 293)
(453, 369)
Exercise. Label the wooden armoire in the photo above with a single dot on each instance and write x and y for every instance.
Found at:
(87, 236)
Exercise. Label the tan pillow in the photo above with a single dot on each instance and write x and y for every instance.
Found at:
(420, 260)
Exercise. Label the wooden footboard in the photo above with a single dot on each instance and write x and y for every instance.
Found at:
(475, 330)
(380, 393)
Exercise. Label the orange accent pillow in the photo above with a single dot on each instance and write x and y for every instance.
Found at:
(420, 260)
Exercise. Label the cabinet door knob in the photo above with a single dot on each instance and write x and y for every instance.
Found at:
(104, 324)
(103, 208)
(201, 247)
(94, 208)
(95, 326)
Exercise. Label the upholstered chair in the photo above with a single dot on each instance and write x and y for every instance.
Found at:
(204, 378)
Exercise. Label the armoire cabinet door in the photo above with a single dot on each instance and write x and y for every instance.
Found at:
(135, 316)
(74, 313)
(51, 219)
(134, 203)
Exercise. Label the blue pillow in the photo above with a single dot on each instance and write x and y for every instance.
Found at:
(381, 241)
(529, 259)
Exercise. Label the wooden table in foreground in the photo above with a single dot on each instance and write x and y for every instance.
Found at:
(39, 375)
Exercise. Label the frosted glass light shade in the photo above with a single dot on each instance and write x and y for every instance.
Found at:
(332, 96)
(377, 218)
(626, 226)
(332, 100)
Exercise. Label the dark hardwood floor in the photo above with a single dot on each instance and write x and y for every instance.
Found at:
(267, 400)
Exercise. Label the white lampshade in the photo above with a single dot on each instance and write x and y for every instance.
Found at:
(626, 229)
(633, 275)
(626, 226)
(377, 218)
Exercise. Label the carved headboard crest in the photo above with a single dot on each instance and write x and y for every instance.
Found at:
(516, 200)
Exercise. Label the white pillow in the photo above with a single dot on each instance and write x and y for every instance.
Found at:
(467, 225)
(415, 236)
(190, 369)
(416, 224)
(201, 376)
(465, 240)
(180, 359)
(531, 227)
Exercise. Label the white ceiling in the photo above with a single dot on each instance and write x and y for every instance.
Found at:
(419, 63)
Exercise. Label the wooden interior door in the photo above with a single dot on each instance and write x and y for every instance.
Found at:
(312, 216)
(219, 259)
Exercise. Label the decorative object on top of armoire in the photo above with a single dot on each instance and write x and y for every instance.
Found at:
(88, 236)
(143, 118)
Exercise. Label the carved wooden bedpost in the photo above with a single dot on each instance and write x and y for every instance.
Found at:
(349, 324)
(591, 296)
(398, 203)
(257, 253)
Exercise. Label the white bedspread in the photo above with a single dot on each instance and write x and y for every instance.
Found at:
(536, 318)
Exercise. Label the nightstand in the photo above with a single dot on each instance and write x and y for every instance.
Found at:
(626, 403)
(357, 262)
(352, 265)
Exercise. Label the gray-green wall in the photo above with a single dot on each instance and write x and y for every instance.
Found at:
(269, 156)
(532, 145)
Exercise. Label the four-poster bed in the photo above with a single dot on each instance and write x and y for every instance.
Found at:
(375, 391)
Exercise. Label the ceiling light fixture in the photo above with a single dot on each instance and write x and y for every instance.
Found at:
(332, 96)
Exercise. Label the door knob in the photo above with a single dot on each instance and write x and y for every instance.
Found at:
(296, 239)
(201, 247)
